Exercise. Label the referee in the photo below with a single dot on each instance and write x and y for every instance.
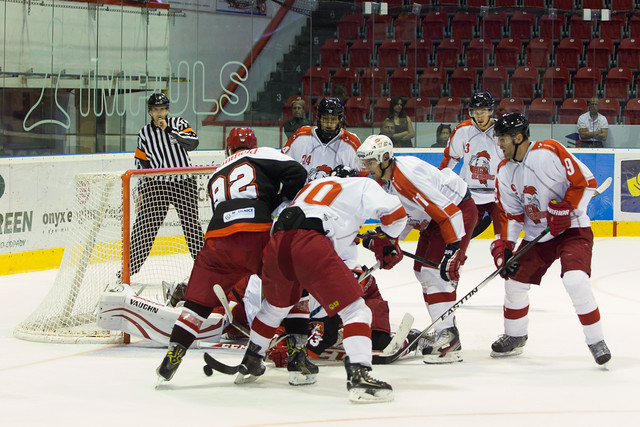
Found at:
(164, 143)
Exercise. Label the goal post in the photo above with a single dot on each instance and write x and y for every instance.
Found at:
(98, 249)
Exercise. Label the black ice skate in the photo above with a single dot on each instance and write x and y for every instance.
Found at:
(507, 345)
(364, 389)
(446, 347)
(251, 366)
(600, 352)
(301, 370)
(171, 361)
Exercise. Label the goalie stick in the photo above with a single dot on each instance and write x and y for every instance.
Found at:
(603, 187)
(217, 289)
(381, 360)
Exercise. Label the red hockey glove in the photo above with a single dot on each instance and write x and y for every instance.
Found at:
(502, 251)
(386, 249)
(558, 217)
(451, 262)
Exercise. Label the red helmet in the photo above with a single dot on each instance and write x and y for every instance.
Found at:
(241, 138)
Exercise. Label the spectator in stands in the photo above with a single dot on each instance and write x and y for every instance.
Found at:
(442, 135)
(387, 128)
(403, 133)
(593, 127)
(298, 120)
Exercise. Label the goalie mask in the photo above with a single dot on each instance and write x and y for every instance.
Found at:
(329, 107)
(342, 171)
(241, 139)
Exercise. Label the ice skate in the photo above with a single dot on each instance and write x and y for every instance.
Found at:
(507, 345)
(600, 352)
(446, 347)
(301, 370)
(171, 361)
(364, 389)
(251, 367)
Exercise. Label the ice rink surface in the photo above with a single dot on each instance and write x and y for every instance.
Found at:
(555, 382)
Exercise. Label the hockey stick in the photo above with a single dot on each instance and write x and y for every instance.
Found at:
(381, 360)
(603, 187)
(217, 289)
(420, 259)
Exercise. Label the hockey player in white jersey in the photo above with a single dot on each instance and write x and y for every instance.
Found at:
(474, 143)
(440, 206)
(306, 252)
(323, 147)
(541, 184)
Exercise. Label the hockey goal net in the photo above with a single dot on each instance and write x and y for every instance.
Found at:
(98, 250)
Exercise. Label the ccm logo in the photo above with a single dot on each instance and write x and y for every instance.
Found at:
(334, 305)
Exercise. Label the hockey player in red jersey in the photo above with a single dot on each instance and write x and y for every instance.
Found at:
(306, 252)
(244, 191)
(541, 184)
(440, 206)
(474, 143)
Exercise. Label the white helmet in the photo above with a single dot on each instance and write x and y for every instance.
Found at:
(375, 147)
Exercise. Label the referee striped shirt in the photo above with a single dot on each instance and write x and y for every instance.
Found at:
(166, 149)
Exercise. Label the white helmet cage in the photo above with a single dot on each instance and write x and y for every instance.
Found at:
(378, 147)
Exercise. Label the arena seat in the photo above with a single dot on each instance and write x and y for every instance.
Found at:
(401, 81)
(538, 52)
(432, 81)
(462, 25)
(360, 53)
(554, 82)
(371, 81)
(571, 109)
(381, 108)
(599, 53)
(511, 105)
(418, 53)
(629, 53)
(586, 82)
(523, 82)
(331, 52)
(377, 26)
(347, 77)
(617, 83)
(478, 52)
(541, 110)
(493, 80)
(356, 111)
(418, 109)
(435, 25)
(349, 25)
(507, 52)
(462, 82)
(389, 53)
(315, 80)
(447, 110)
(568, 53)
(610, 108)
(632, 112)
(493, 26)
(447, 53)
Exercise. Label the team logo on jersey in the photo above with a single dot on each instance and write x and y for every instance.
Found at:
(318, 172)
(532, 204)
(316, 334)
(479, 167)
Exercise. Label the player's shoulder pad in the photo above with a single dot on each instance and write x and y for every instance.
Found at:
(551, 145)
(502, 163)
(351, 139)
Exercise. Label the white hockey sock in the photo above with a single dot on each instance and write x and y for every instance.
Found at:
(265, 324)
(439, 296)
(516, 308)
(578, 287)
(356, 339)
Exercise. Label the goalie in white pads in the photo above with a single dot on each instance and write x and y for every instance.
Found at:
(541, 184)
(304, 253)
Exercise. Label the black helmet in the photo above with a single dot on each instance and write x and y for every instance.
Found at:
(481, 100)
(330, 107)
(158, 100)
(342, 171)
(512, 124)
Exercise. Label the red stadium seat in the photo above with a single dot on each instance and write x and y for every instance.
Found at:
(476, 4)
(347, 77)
(614, 28)
(360, 53)
(617, 82)
(435, 25)
(462, 82)
(314, 81)
(563, 4)
(610, 108)
(538, 52)
(493, 26)
(523, 82)
(521, 25)
(372, 80)
(401, 81)
(381, 108)
(551, 26)
(378, 26)
(478, 52)
(629, 53)
(349, 25)
(511, 105)
(418, 53)
(389, 53)
(534, 4)
(331, 52)
(405, 27)
(447, 53)
(622, 5)
(462, 25)
(568, 53)
(599, 53)
(507, 52)
(580, 29)
(541, 110)
(571, 109)
(286, 108)
(447, 110)
(432, 81)
(593, 4)
(493, 80)
(632, 112)
(586, 82)
(554, 82)
(418, 109)
(634, 26)
(356, 111)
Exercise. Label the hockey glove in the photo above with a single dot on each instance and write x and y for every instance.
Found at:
(502, 251)
(386, 249)
(558, 217)
(451, 262)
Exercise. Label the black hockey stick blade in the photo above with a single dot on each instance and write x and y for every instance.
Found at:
(215, 365)
(410, 346)
(484, 223)
(420, 259)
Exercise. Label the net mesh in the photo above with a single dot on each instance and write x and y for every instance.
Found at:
(94, 256)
